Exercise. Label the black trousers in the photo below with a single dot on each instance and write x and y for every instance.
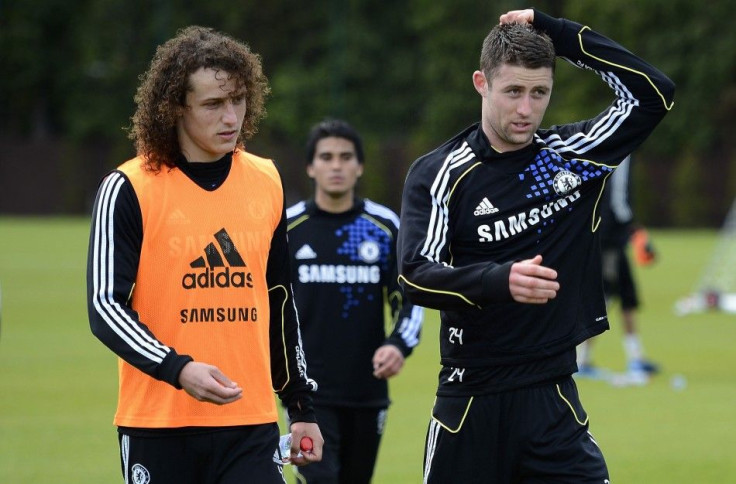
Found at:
(618, 279)
(535, 435)
(237, 455)
(352, 437)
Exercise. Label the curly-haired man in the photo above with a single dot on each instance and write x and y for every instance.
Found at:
(188, 277)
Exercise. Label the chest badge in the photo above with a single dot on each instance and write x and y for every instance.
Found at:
(565, 182)
(368, 251)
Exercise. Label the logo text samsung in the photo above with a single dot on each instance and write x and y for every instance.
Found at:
(504, 228)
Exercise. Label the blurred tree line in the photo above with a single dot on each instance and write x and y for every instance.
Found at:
(399, 71)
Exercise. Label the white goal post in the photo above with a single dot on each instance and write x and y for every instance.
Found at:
(716, 288)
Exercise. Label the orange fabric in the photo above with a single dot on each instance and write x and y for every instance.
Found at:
(201, 289)
(644, 253)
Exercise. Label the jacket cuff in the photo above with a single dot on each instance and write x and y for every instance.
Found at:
(550, 25)
(301, 408)
(495, 283)
(171, 367)
(399, 343)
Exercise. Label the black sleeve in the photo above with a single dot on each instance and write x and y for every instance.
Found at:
(407, 318)
(288, 364)
(112, 263)
(428, 277)
(643, 94)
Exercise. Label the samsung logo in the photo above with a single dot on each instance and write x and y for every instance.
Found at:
(339, 274)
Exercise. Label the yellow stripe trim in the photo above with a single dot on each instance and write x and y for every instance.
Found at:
(297, 222)
(597, 218)
(596, 221)
(437, 291)
(377, 223)
(580, 39)
(577, 419)
(462, 420)
(460, 178)
(395, 295)
(283, 335)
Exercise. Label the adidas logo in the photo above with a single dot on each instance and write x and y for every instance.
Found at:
(216, 272)
(177, 217)
(306, 252)
(485, 207)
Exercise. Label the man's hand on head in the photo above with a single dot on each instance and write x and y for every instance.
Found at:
(517, 17)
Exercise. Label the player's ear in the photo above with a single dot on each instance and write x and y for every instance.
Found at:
(360, 170)
(310, 170)
(480, 83)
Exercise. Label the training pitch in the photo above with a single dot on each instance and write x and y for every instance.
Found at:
(58, 383)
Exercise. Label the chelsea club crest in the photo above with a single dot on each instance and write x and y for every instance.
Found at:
(368, 251)
(140, 474)
(565, 182)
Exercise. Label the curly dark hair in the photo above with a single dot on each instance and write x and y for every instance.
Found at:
(164, 86)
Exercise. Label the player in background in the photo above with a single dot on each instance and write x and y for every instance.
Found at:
(188, 277)
(617, 229)
(343, 261)
(499, 232)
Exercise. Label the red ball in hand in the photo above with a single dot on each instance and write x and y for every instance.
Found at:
(306, 444)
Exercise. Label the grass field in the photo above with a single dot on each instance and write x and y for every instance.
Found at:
(58, 384)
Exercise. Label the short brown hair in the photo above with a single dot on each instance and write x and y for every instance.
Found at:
(516, 44)
(164, 86)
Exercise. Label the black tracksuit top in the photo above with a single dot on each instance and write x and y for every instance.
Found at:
(344, 273)
(469, 212)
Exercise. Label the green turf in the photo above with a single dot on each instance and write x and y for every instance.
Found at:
(58, 384)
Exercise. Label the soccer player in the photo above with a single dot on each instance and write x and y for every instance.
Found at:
(188, 277)
(617, 228)
(499, 232)
(343, 254)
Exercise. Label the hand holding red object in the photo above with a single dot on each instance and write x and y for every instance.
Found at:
(306, 444)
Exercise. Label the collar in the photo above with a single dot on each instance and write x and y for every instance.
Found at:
(313, 209)
(485, 152)
(209, 176)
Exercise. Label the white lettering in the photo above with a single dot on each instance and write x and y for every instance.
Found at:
(459, 372)
(485, 233)
(456, 333)
(328, 273)
(516, 224)
(501, 232)
(339, 274)
(534, 216)
(546, 211)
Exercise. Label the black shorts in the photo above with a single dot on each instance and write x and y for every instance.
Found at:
(352, 437)
(618, 280)
(535, 435)
(234, 455)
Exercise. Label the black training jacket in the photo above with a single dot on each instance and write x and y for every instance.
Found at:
(469, 212)
(344, 273)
